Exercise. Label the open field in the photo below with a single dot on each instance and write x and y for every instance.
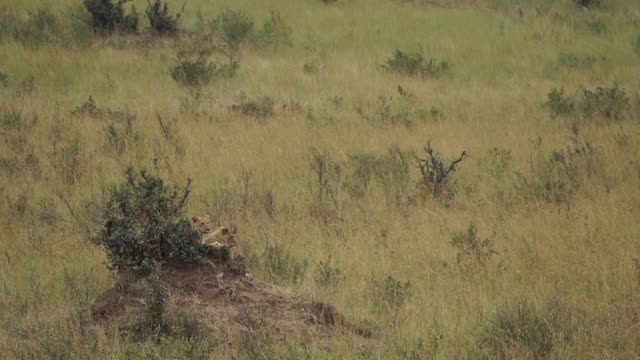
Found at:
(310, 148)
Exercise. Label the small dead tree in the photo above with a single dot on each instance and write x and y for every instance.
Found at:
(435, 175)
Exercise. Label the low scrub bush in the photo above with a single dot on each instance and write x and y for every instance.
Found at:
(604, 103)
(108, 17)
(200, 71)
(588, 3)
(328, 204)
(390, 294)
(596, 26)
(436, 176)
(274, 32)
(235, 27)
(415, 64)
(161, 21)
(259, 108)
(574, 61)
(4, 78)
(144, 227)
(524, 331)
(386, 111)
(472, 252)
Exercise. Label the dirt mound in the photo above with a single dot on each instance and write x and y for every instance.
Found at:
(216, 298)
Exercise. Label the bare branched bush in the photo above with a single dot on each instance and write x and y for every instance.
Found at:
(436, 176)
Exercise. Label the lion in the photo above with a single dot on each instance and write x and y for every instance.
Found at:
(222, 237)
(200, 225)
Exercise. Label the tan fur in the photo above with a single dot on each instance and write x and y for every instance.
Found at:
(200, 225)
(222, 237)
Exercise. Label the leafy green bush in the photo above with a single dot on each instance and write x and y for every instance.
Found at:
(144, 227)
(236, 27)
(515, 330)
(108, 17)
(609, 103)
(201, 71)
(606, 103)
(390, 294)
(560, 104)
(260, 108)
(523, 331)
(161, 22)
(472, 251)
(415, 64)
(587, 3)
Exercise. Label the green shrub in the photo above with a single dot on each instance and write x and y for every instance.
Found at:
(108, 17)
(415, 64)
(201, 71)
(473, 252)
(553, 179)
(88, 107)
(602, 102)
(560, 104)
(572, 60)
(161, 22)
(260, 108)
(587, 3)
(144, 227)
(390, 294)
(609, 103)
(236, 27)
(386, 111)
(522, 331)
(517, 331)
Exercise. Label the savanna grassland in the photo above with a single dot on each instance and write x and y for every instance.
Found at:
(305, 129)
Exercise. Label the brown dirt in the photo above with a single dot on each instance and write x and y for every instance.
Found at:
(221, 300)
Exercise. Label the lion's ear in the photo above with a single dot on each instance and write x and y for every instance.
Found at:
(194, 219)
(225, 230)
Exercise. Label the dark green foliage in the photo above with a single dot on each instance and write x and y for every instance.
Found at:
(236, 27)
(260, 108)
(88, 107)
(108, 17)
(201, 71)
(588, 3)
(609, 103)
(144, 227)
(559, 103)
(604, 103)
(161, 21)
(473, 252)
(415, 64)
